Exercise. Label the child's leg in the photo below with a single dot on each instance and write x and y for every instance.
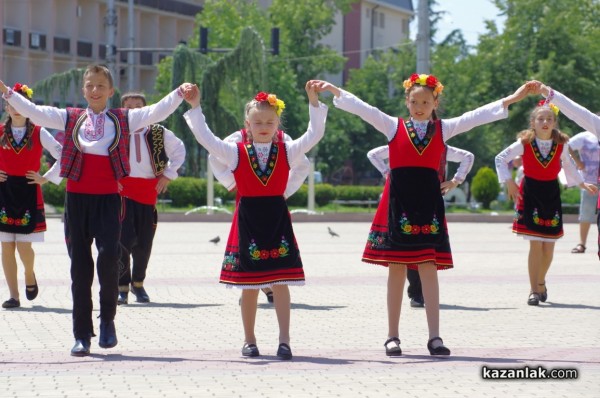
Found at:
(281, 295)
(248, 306)
(395, 288)
(431, 293)
(535, 263)
(9, 264)
(27, 256)
(547, 256)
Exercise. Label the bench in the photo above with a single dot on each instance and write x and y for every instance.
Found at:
(362, 203)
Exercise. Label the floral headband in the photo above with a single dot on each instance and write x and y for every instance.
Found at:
(272, 99)
(424, 80)
(552, 107)
(23, 89)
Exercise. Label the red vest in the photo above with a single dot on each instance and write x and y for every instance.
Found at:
(71, 161)
(17, 160)
(405, 151)
(251, 181)
(542, 169)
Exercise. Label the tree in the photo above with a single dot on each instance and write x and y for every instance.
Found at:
(485, 186)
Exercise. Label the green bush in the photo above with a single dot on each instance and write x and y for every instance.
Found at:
(358, 192)
(485, 186)
(54, 194)
(187, 191)
(299, 198)
(324, 193)
(570, 195)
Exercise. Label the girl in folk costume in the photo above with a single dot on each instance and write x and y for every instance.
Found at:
(262, 250)
(379, 158)
(22, 217)
(413, 233)
(538, 215)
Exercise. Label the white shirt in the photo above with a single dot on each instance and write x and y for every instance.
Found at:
(228, 152)
(588, 147)
(298, 170)
(142, 168)
(577, 113)
(388, 125)
(56, 118)
(516, 149)
(379, 155)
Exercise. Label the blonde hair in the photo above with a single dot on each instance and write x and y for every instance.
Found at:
(259, 105)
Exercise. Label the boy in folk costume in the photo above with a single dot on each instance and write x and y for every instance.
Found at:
(155, 155)
(94, 157)
(22, 216)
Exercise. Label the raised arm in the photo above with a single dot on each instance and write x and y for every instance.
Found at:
(351, 103)
(155, 113)
(47, 116)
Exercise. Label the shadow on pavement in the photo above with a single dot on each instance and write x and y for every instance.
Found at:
(169, 305)
(569, 306)
(463, 308)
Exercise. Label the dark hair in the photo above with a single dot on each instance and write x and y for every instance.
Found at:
(133, 95)
(528, 135)
(8, 126)
(101, 69)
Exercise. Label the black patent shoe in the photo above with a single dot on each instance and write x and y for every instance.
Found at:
(140, 294)
(284, 351)
(544, 294)
(108, 334)
(534, 299)
(417, 302)
(11, 303)
(31, 291)
(250, 350)
(439, 350)
(269, 293)
(392, 347)
(81, 348)
(123, 298)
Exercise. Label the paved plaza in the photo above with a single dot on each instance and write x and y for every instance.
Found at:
(187, 341)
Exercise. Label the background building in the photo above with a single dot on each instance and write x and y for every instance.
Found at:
(44, 37)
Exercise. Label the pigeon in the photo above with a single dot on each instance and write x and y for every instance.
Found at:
(215, 240)
(332, 232)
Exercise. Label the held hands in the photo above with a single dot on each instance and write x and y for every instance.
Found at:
(322, 85)
(2, 176)
(3, 87)
(162, 184)
(311, 91)
(539, 88)
(591, 188)
(448, 186)
(513, 191)
(192, 95)
(35, 178)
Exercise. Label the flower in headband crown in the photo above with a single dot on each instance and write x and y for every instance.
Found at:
(23, 89)
(272, 99)
(424, 80)
(553, 108)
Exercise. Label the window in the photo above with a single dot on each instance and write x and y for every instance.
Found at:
(12, 37)
(37, 41)
(102, 51)
(62, 45)
(381, 20)
(84, 49)
(146, 58)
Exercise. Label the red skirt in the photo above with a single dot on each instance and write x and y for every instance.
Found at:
(261, 249)
(411, 240)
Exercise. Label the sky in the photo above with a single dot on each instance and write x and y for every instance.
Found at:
(466, 15)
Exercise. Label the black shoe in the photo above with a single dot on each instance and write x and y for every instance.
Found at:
(140, 294)
(284, 351)
(108, 334)
(417, 302)
(31, 291)
(544, 294)
(250, 350)
(123, 298)
(11, 303)
(439, 350)
(393, 350)
(269, 293)
(534, 299)
(81, 348)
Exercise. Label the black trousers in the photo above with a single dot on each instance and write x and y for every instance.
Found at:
(137, 234)
(414, 284)
(88, 218)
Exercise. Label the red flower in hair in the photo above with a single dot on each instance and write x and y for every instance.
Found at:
(17, 87)
(542, 102)
(431, 81)
(262, 96)
(414, 77)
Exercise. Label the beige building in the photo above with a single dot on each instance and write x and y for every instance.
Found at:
(43, 37)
